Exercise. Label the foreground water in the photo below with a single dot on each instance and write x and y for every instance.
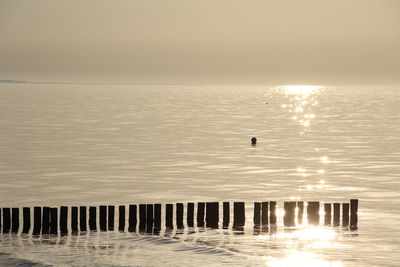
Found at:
(92, 145)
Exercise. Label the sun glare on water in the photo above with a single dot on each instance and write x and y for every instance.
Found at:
(311, 238)
(301, 259)
(300, 90)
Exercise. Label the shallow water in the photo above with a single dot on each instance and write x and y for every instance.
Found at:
(92, 145)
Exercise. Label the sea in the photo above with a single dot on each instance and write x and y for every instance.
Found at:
(122, 144)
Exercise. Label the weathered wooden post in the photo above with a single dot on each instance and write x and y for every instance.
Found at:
(82, 219)
(46, 220)
(149, 218)
(15, 220)
(238, 215)
(37, 220)
(169, 209)
(142, 217)
(272, 213)
(132, 218)
(6, 220)
(313, 212)
(92, 219)
(212, 216)
(53, 221)
(264, 215)
(190, 214)
(157, 218)
(74, 219)
(336, 214)
(353, 214)
(300, 212)
(103, 218)
(0, 218)
(121, 218)
(257, 214)
(179, 215)
(26, 213)
(328, 214)
(111, 215)
(345, 214)
(226, 215)
(200, 214)
(290, 213)
(64, 220)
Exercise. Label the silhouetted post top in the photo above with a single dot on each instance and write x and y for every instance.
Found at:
(253, 141)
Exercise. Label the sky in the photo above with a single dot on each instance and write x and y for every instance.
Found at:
(203, 41)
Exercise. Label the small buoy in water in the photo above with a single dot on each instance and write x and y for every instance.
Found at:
(253, 141)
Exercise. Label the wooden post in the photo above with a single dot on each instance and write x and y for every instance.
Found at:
(313, 212)
(46, 220)
(15, 220)
(209, 214)
(142, 217)
(149, 218)
(353, 214)
(264, 215)
(37, 220)
(215, 222)
(157, 218)
(6, 220)
(92, 219)
(300, 212)
(336, 214)
(238, 215)
(111, 214)
(179, 215)
(132, 218)
(82, 219)
(53, 221)
(26, 212)
(290, 213)
(257, 214)
(169, 209)
(121, 218)
(190, 215)
(226, 215)
(64, 220)
(212, 214)
(272, 213)
(74, 219)
(328, 214)
(103, 218)
(345, 214)
(200, 214)
(0, 218)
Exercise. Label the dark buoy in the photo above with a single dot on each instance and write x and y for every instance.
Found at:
(253, 141)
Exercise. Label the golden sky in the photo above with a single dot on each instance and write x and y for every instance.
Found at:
(203, 41)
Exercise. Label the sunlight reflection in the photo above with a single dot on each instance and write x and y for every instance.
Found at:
(302, 99)
(308, 233)
(303, 91)
(301, 259)
(325, 159)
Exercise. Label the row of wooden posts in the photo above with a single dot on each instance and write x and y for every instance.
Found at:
(48, 220)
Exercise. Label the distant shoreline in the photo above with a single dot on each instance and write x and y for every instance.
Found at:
(12, 81)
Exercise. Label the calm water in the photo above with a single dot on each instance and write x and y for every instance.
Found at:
(92, 145)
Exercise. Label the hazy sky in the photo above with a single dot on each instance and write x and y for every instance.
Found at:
(265, 41)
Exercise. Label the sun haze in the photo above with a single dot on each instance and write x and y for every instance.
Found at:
(285, 42)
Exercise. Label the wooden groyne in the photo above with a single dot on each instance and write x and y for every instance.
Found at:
(148, 217)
